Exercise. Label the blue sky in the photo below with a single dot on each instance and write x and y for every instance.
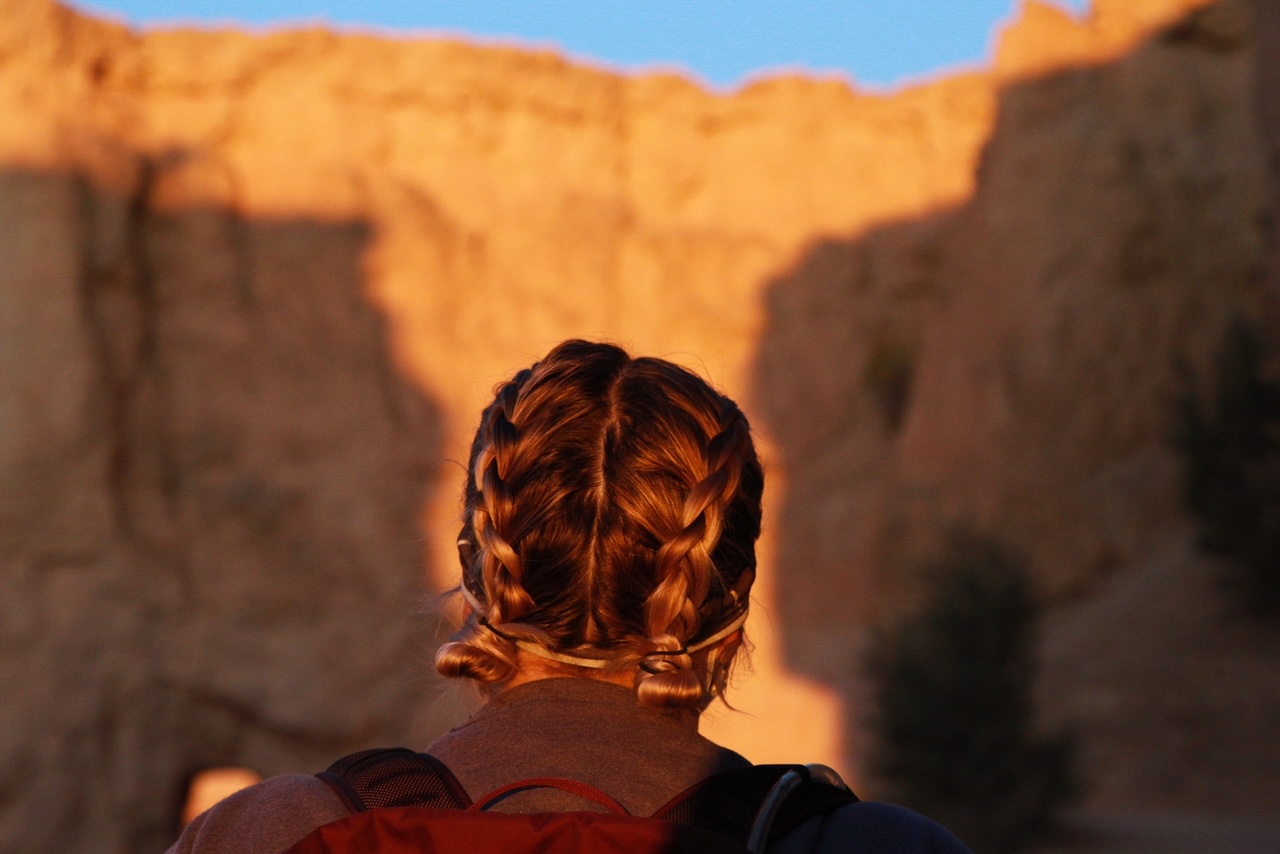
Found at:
(878, 43)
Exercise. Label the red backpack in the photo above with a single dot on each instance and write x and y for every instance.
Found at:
(402, 801)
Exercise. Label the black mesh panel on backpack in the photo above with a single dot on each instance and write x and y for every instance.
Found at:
(728, 802)
(394, 777)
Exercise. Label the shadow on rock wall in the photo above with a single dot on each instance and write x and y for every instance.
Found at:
(210, 508)
(1007, 366)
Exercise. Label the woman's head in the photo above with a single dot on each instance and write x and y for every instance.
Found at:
(611, 511)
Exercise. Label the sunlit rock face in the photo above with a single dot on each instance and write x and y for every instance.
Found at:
(254, 291)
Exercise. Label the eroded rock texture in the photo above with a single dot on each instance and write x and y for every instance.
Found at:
(254, 290)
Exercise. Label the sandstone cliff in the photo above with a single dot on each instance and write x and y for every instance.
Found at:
(254, 291)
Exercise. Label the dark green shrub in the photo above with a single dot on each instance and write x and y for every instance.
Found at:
(953, 711)
(1230, 445)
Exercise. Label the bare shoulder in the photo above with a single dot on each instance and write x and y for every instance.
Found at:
(870, 826)
(267, 817)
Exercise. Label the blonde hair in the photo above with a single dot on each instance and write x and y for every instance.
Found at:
(610, 519)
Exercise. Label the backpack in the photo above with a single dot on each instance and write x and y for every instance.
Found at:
(402, 801)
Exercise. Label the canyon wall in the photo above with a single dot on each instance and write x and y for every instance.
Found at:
(255, 289)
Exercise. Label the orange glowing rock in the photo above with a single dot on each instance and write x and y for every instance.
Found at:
(213, 785)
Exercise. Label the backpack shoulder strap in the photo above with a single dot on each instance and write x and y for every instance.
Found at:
(394, 777)
(760, 803)
(573, 787)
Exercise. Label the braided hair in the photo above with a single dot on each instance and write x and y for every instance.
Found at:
(610, 518)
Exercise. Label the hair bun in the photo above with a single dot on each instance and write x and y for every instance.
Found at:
(470, 659)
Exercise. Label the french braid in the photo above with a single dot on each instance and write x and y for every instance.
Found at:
(491, 567)
(501, 568)
(610, 517)
(686, 570)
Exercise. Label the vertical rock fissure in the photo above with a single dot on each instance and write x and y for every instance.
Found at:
(120, 308)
